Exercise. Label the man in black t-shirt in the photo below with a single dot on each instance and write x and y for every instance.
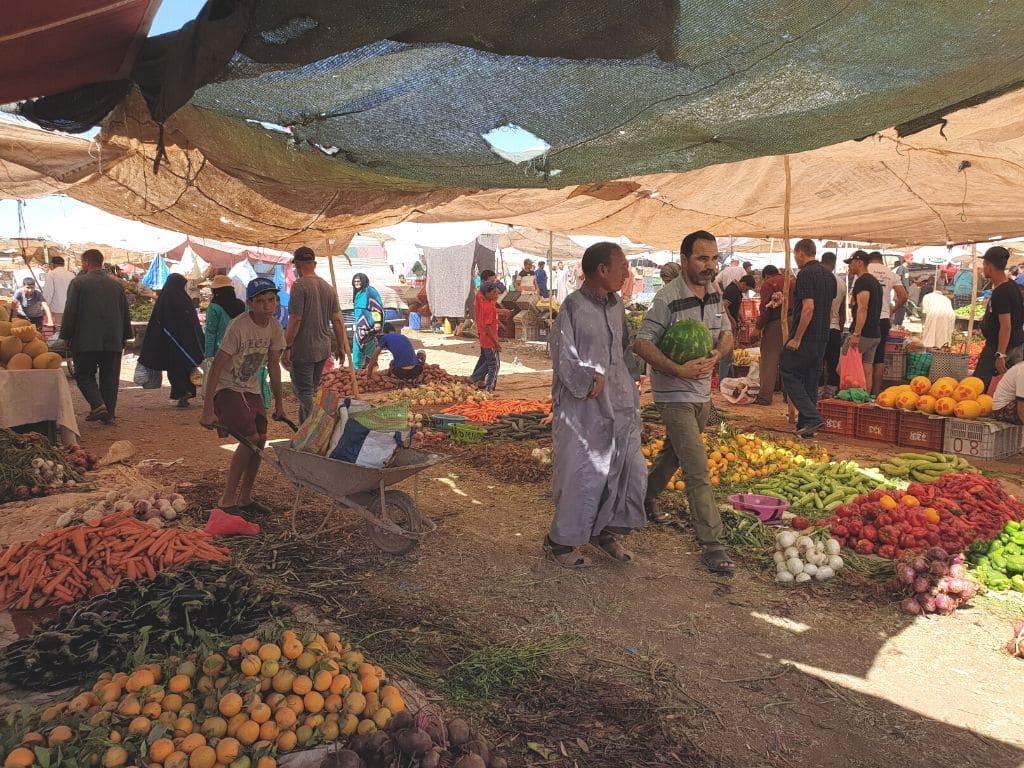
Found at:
(804, 353)
(865, 311)
(1003, 323)
(732, 298)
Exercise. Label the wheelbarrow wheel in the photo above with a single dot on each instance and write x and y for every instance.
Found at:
(399, 509)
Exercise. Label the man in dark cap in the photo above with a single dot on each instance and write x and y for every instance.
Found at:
(314, 317)
(1003, 323)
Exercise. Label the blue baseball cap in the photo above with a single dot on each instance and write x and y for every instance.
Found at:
(258, 286)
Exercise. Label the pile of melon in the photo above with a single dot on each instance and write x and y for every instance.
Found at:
(946, 397)
(22, 347)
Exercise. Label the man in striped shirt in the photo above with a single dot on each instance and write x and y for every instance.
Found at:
(683, 392)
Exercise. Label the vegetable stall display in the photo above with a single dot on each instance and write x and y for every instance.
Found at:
(798, 559)
(924, 467)
(934, 582)
(339, 380)
(174, 613)
(819, 489)
(30, 466)
(999, 563)
(66, 564)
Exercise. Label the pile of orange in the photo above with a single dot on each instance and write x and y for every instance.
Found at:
(742, 457)
(240, 709)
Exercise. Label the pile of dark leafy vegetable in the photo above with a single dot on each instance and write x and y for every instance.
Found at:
(139, 620)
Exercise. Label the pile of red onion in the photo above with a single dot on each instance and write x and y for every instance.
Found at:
(934, 582)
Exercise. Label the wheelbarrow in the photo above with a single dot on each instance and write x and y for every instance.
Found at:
(394, 524)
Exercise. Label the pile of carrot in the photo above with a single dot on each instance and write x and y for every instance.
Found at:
(489, 411)
(66, 564)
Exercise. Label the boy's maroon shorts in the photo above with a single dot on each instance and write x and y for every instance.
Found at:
(243, 413)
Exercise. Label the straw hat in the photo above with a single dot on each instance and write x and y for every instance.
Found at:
(221, 281)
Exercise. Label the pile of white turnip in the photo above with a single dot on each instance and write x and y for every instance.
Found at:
(799, 559)
(934, 582)
(154, 506)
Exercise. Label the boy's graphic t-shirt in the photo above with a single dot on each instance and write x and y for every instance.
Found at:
(249, 345)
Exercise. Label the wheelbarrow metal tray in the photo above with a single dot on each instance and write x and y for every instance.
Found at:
(337, 479)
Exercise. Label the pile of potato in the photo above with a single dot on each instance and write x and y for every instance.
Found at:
(435, 395)
(340, 380)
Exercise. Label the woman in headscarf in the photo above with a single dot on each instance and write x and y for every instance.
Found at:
(174, 339)
(670, 272)
(369, 315)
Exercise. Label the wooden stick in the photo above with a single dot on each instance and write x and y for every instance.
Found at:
(785, 244)
(974, 297)
(344, 335)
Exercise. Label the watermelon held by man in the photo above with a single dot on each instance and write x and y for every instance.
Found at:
(686, 340)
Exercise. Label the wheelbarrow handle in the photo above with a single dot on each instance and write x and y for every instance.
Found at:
(287, 421)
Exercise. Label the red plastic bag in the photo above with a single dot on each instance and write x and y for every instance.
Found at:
(851, 369)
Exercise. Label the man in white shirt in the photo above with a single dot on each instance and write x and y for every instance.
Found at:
(837, 320)
(891, 284)
(729, 275)
(1008, 399)
(55, 289)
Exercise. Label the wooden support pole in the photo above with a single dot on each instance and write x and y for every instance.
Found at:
(974, 296)
(785, 243)
(344, 334)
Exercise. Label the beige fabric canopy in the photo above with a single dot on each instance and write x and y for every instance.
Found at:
(957, 183)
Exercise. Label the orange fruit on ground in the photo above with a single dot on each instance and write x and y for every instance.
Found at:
(340, 684)
(269, 652)
(381, 717)
(204, 684)
(366, 726)
(129, 707)
(286, 741)
(964, 393)
(189, 710)
(322, 680)
(140, 726)
(921, 385)
(369, 683)
(172, 703)
(282, 681)
(248, 732)
(355, 703)
(236, 722)
(115, 736)
(944, 406)
(330, 731)
(160, 750)
(213, 664)
(230, 704)
(372, 704)
(269, 668)
(333, 640)
(306, 660)
(191, 743)
(355, 658)
(228, 750)
(273, 700)
(302, 685)
(285, 717)
(140, 679)
(251, 665)
(251, 645)
(926, 404)
(269, 731)
(332, 703)
(350, 724)
(291, 647)
(985, 401)
(314, 721)
(19, 757)
(242, 762)
(83, 702)
(260, 712)
(179, 683)
(313, 701)
(213, 727)
(115, 757)
(183, 726)
(203, 757)
(52, 713)
(176, 759)
(266, 762)
(167, 718)
(108, 692)
(294, 703)
(60, 734)
(967, 409)
(304, 735)
(235, 651)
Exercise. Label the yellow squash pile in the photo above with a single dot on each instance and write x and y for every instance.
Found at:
(946, 397)
(237, 710)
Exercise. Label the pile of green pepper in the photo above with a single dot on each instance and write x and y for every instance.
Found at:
(999, 564)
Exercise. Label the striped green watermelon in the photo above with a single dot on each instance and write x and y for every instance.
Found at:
(685, 341)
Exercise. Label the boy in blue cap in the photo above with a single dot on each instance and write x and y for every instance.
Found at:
(233, 399)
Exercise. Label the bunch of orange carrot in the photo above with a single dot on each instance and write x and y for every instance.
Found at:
(489, 411)
(66, 564)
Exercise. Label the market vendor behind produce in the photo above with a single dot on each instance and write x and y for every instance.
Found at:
(30, 305)
(406, 363)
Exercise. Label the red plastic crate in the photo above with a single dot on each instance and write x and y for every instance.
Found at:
(838, 416)
(921, 430)
(876, 423)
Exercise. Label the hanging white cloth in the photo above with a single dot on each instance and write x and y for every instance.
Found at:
(939, 320)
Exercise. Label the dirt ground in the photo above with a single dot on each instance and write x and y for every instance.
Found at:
(664, 664)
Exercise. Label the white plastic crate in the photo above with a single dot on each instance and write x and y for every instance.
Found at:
(982, 439)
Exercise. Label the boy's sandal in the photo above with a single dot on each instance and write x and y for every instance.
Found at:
(565, 556)
(609, 544)
(718, 562)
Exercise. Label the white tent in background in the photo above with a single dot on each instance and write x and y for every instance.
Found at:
(191, 265)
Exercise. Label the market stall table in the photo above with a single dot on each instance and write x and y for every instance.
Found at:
(30, 397)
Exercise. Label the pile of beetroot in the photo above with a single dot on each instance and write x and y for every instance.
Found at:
(949, 513)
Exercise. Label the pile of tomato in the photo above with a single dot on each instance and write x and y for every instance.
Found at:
(951, 512)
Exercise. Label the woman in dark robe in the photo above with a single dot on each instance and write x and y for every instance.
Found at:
(174, 339)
